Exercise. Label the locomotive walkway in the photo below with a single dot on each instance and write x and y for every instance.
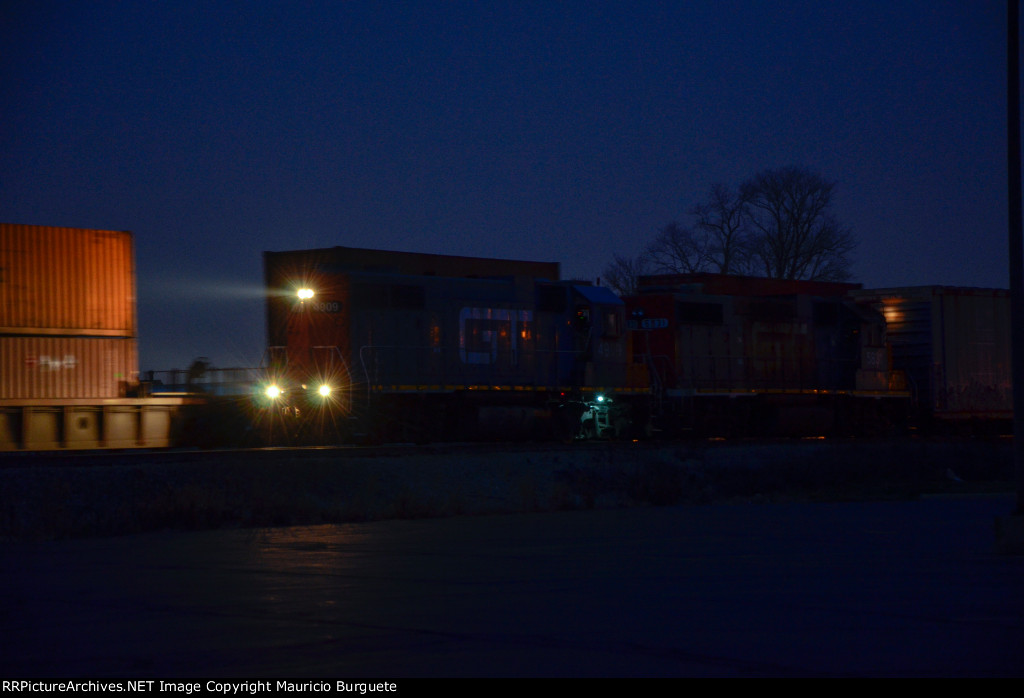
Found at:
(786, 589)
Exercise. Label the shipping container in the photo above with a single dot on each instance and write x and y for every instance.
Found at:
(68, 351)
(66, 282)
(34, 367)
(953, 344)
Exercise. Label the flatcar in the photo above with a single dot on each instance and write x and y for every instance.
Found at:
(405, 346)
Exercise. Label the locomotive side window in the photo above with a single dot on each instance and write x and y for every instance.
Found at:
(482, 332)
(611, 324)
(487, 333)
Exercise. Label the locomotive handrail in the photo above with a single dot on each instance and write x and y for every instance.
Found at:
(659, 374)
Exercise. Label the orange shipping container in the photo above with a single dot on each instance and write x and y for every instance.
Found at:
(66, 367)
(66, 281)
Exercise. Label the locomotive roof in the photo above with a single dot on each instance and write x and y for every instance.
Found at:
(928, 291)
(342, 259)
(598, 294)
(731, 285)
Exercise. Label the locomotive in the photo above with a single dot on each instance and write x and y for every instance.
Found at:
(369, 344)
(383, 345)
(733, 355)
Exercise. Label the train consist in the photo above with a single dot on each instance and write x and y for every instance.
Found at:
(375, 345)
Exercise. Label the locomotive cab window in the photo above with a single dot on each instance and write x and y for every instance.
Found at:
(611, 324)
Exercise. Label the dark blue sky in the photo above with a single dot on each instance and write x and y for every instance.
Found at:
(564, 132)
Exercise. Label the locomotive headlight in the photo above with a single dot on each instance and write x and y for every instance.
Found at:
(305, 294)
(273, 392)
(324, 390)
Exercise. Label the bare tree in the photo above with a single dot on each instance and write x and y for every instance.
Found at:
(722, 220)
(678, 250)
(778, 223)
(795, 234)
(623, 274)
